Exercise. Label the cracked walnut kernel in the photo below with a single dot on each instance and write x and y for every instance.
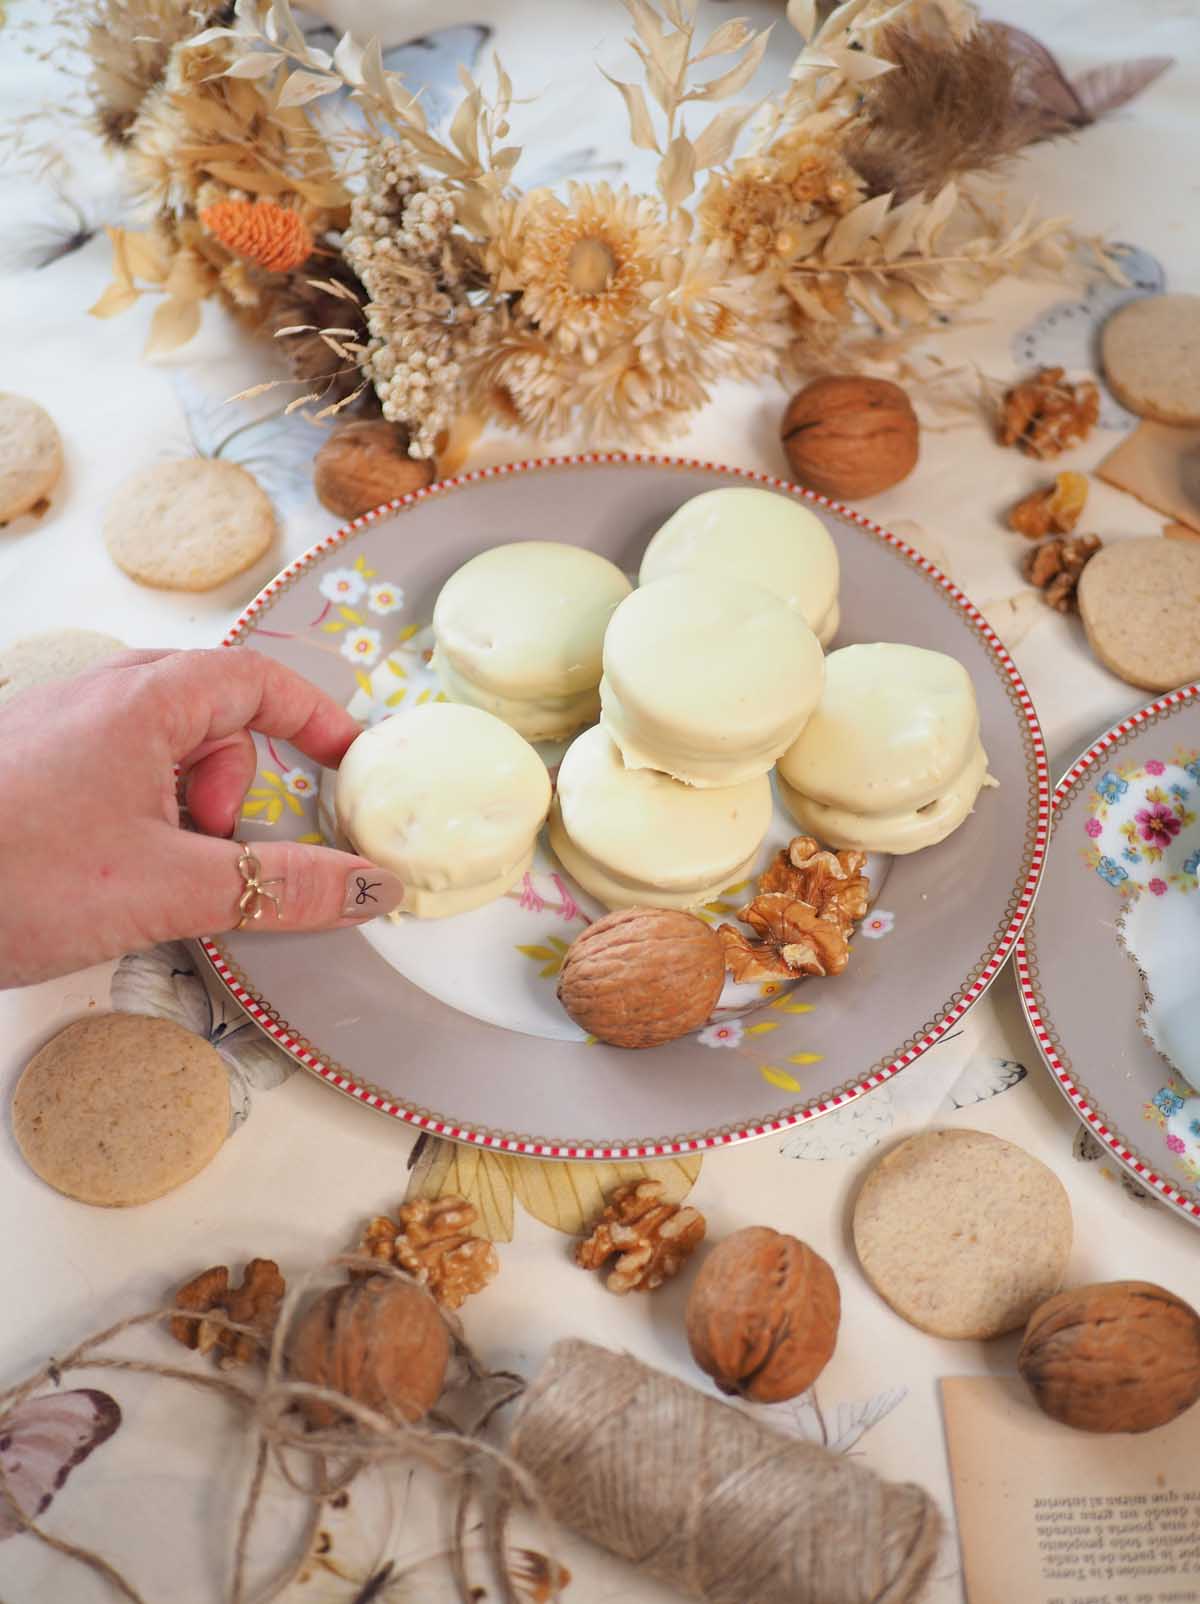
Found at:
(1055, 566)
(434, 1242)
(1052, 511)
(1046, 414)
(650, 1238)
(808, 901)
(255, 1303)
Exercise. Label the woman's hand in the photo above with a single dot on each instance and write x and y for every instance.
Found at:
(93, 863)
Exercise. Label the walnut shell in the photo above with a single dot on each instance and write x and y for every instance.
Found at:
(364, 464)
(763, 1314)
(642, 976)
(1118, 1356)
(380, 1341)
(849, 437)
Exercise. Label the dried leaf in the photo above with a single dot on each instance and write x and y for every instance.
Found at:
(1105, 88)
(571, 1197)
(736, 79)
(856, 66)
(174, 323)
(146, 257)
(257, 64)
(855, 229)
(454, 1169)
(936, 217)
(715, 143)
(641, 129)
(802, 14)
(301, 87)
(116, 298)
(646, 23)
(677, 171)
(464, 130)
(723, 41)
(347, 59)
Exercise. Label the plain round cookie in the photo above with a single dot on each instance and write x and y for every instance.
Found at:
(1140, 605)
(54, 654)
(188, 525)
(1150, 349)
(118, 1109)
(962, 1234)
(31, 455)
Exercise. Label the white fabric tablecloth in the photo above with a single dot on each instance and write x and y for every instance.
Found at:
(296, 1180)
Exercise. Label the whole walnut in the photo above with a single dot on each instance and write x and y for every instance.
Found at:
(380, 1341)
(763, 1314)
(849, 437)
(642, 976)
(1117, 1356)
(364, 464)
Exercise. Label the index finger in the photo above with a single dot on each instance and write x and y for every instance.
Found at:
(213, 694)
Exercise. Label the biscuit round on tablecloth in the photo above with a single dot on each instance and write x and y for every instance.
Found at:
(51, 655)
(119, 1109)
(188, 525)
(963, 1234)
(31, 456)
(1150, 349)
(1140, 605)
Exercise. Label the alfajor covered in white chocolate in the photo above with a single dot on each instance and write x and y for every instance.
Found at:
(447, 797)
(707, 678)
(634, 837)
(891, 760)
(756, 535)
(519, 631)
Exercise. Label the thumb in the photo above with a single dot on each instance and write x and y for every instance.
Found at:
(273, 885)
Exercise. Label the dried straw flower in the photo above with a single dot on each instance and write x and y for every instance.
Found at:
(578, 266)
(273, 237)
(765, 207)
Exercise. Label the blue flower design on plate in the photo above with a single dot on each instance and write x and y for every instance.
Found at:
(1181, 791)
(1112, 872)
(1194, 1127)
(1193, 769)
(1132, 854)
(1112, 787)
(1192, 864)
(1168, 1102)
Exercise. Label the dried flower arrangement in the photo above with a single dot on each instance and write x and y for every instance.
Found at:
(407, 272)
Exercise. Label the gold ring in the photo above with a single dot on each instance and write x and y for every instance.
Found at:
(255, 896)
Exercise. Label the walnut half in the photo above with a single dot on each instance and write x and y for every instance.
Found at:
(1055, 566)
(808, 901)
(255, 1303)
(649, 1238)
(434, 1242)
(1046, 414)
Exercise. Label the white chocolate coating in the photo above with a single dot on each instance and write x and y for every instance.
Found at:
(899, 832)
(447, 797)
(633, 836)
(759, 536)
(893, 730)
(707, 678)
(519, 632)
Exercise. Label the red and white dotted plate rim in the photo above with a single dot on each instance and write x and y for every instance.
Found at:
(280, 1033)
(1146, 1174)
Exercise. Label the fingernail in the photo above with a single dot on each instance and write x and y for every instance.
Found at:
(370, 892)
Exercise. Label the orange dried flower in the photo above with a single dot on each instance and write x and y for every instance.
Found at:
(272, 236)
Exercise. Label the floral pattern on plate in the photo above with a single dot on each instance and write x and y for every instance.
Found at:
(1139, 825)
(1175, 1109)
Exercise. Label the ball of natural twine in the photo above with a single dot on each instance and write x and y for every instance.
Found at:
(702, 1497)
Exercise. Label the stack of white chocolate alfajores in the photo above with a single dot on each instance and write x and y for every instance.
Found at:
(703, 679)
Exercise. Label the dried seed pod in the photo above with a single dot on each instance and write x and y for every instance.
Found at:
(763, 1315)
(848, 437)
(380, 1341)
(1117, 1356)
